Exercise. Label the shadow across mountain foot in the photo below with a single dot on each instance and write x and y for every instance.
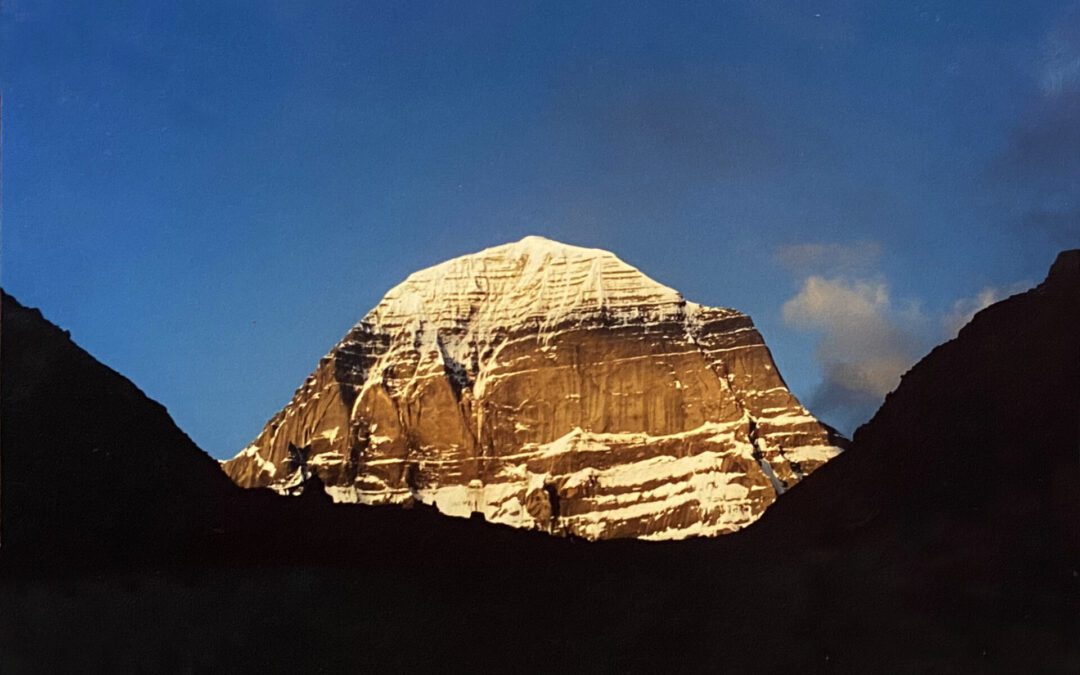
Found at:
(946, 539)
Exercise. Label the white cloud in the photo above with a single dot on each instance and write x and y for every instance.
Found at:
(868, 339)
(822, 302)
(831, 259)
(867, 342)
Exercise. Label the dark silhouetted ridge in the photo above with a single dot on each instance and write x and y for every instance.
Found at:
(92, 468)
(944, 540)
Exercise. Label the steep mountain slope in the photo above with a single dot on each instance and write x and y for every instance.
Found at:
(97, 476)
(551, 387)
(964, 488)
(90, 465)
(986, 427)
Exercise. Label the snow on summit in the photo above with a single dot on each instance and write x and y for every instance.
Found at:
(531, 279)
(551, 387)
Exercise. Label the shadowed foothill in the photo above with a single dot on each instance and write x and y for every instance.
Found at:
(944, 539)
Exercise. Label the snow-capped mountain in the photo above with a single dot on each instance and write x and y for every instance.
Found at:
(552, 387)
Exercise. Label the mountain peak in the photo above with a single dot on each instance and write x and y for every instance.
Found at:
(535, 243)
(536, 246)
(1066, 268)
(552, 387)
(534, 280)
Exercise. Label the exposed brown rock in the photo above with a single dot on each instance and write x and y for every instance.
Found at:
(551, 387)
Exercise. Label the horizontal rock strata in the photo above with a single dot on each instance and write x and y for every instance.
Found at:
(552, 387)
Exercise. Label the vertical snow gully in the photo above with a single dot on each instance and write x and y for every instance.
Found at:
(759, 456)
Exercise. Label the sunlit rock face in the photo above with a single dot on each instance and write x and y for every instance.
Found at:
(551, 387)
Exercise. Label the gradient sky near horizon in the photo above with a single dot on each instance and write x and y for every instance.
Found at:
(209, 194)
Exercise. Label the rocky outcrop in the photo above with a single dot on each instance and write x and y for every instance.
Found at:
(551, 387)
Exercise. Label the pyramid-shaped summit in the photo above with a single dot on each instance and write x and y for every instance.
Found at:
(547, 386)
(535, 281)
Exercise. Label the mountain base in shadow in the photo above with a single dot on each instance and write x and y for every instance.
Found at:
(947, 539)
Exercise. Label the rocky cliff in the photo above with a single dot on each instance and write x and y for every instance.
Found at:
(551, 387)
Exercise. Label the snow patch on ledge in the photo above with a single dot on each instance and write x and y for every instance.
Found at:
(252, 452)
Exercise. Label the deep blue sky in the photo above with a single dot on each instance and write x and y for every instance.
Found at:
(208, 194)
